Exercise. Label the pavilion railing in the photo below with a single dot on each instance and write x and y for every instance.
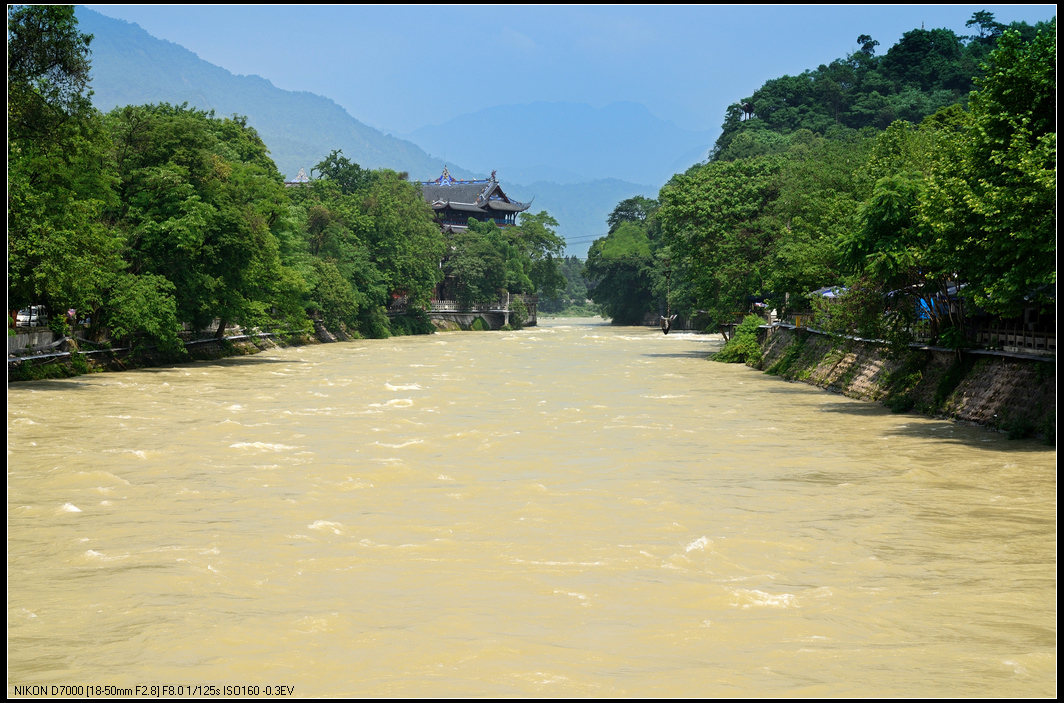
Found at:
(1005, 337)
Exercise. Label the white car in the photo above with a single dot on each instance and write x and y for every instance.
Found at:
(33, 316)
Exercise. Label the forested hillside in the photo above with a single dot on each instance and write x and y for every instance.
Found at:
(912, 182)
(925, 71)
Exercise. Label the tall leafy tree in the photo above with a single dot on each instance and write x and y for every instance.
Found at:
(930, 59)
(348, 175)
(485, 261)
(989, 29)
(60, 178)
(817, 205)
(713, 221)
(402, 237)
(638, 209)
(540, 246)
(477, 263)
(868, 45)
(994, 201)
(621, 266)
(47, 71)
(198, 198)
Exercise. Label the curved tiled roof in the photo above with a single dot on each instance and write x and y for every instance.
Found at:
(460, 192)
(503, 206)
(469, 196)
(461, 207)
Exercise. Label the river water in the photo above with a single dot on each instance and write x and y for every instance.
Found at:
(575, 509)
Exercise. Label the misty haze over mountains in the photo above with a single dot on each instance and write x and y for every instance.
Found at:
(130, 67)
(577, 161)
(567, 142)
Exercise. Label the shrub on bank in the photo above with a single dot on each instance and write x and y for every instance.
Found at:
(415, 321)
(743, 347)
(29, 371)
(518, 313)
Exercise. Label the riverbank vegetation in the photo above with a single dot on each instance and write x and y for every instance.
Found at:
(921, 184)
(152, 220)
(572, 300)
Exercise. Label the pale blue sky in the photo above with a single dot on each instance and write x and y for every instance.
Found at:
(398, 68)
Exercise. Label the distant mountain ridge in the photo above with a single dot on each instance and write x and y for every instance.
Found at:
(568, 142)
(131, 67)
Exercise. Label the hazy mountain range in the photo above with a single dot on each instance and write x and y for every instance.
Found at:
(577, 161)
(131, 67)
(567, 142)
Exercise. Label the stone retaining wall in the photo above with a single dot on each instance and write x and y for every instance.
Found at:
(1009, 394)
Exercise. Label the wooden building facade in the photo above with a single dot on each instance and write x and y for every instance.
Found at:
(455, 201)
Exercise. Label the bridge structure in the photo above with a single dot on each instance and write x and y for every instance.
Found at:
(495, 314)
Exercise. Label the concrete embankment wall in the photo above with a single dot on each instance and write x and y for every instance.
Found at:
(1009, 394)
(29, 339)
(454, 321)
(61, 365)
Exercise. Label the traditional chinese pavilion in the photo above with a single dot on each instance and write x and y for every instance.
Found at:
(455, 201)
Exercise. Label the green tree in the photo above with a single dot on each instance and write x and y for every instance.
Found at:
(345, 173)
(638, 209)
(930, 59)
(817, 205)
(47, 71)
(890, 253)
(334, 297)
(754, 142)
(713, 221)
(620, 265)
(60, 251)
(354, 247)
(60, 178)
(988, 28)
(198, 198)
(477, 263)
(142, 304)
(868, 44)
(539, 244)
(993, 201)
(402, 237)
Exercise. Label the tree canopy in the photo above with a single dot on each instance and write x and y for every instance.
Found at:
(887, 177)
(926, 70)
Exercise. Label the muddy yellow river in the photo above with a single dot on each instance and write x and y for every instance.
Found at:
(575, 509)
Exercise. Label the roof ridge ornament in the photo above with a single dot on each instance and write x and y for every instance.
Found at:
(491, 185)
(445, 179)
